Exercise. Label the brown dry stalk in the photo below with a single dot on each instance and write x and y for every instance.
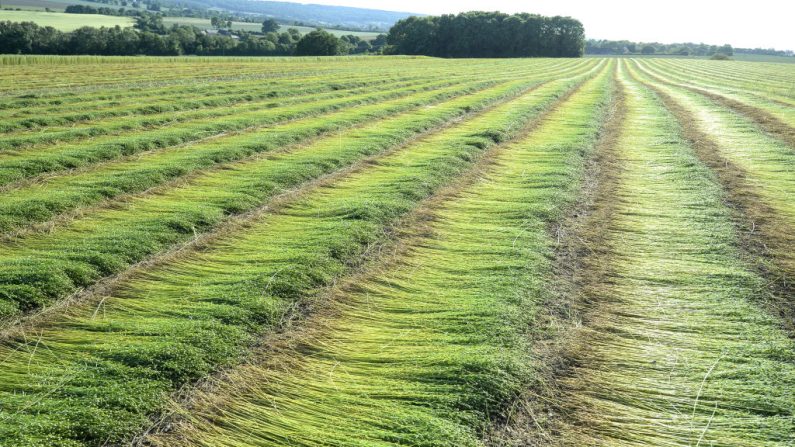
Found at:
(578, 267)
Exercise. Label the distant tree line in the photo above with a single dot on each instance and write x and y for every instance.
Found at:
(151, 37)
(487, 34)
(617, 47)
(765, 51)
(104, 10)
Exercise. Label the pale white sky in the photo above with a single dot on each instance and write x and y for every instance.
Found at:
(742, 23)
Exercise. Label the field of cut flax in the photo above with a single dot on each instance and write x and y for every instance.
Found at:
(396, 251)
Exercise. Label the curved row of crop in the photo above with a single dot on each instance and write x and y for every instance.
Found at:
(108, 240)
(17, 166)
(675, 349)
(758, 100)
(125, 127)
(100, 367)
(57, 79)
(159, 101)
(125, 98)
(85, 116)
(297, 93)
(25, 81)
(431, 347)
(106, 97)
(758, 172)
(771, 80)
(42, 267)
(41, 201)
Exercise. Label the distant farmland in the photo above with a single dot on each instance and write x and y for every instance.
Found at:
(396, 251)
(63, 21)
(34, 11)
(248, 26)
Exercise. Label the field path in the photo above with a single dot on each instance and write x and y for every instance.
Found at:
(674, 351)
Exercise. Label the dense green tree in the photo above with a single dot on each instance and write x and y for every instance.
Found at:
(487, 34)
(414, 35)
(295, 35)
(150, 22)
(270, 26)
(319, 43)
(29, 38)
(378, 44)
(648, 49)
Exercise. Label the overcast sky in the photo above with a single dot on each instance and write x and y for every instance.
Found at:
(756, 23)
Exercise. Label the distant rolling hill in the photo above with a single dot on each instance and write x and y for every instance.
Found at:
(311, 14)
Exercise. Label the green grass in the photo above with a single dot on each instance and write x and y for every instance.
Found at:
(167, 219)
(163, 101)
(764, 58)
(675, 352)
(64, 116)
(65, 22)
(54, 196)
(758, 168)
(104, 366)
(763, 90)
(767, 162)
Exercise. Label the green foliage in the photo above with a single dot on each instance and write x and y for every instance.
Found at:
(621, 47)
(151, 38)
(488, 34)
(270, 26)
(319, 43)
(648, 49)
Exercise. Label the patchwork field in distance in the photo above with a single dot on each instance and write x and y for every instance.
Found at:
(396, 251)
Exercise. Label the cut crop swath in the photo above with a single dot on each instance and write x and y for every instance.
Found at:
(102, 367)
(431, 347)
(674, 350)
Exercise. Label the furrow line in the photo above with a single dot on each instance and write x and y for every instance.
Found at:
(41, 268)
(674, 349)
(426, 345)
(758, 177)
(764, 119)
